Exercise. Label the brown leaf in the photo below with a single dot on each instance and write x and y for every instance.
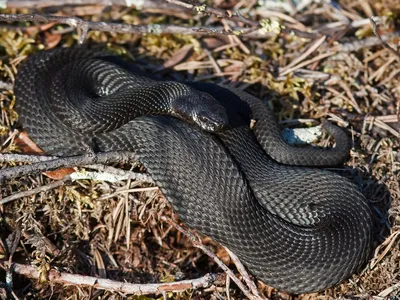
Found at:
(26, 144)
(51, 40)
(214, 42)
(29, 147)
(39, 28)
(59, 174)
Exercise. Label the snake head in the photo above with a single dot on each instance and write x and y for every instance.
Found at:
(201, 109)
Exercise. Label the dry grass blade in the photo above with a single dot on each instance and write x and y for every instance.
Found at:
(304, 55)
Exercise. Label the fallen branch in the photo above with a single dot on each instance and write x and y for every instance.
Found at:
(123, 174)
(117, 286)
(39, 160)
(198, 244)
(201, 8)
(262, 27)
(82, 160)
(85, 26)
(242, 270)
(24, 158)
(147, 4)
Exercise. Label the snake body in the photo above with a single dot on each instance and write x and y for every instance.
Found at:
(298, 229)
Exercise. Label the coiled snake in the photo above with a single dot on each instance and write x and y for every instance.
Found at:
(298, 229)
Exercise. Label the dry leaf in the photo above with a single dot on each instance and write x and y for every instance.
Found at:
(51, 40)
(59, 174)
(24, 142)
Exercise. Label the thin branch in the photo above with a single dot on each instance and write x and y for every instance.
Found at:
(117, 286)
(85, 26)
(242, 270)
(263, 27)
(24, 158)
(219, 13)
(87, 159)
(148, 4)
(384, 44)
(122, 174)
(198, 244)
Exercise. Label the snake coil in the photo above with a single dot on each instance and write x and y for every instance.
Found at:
(297, 228)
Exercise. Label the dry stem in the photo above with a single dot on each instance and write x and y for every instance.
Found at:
(112, 285)
(85, 26)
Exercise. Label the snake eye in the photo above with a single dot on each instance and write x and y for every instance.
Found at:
(203, 119)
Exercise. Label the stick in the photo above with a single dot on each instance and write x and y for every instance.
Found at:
(242, 270)
(219, 13)
(262, 27)
(146, 4)
(25, 158)
(85, 26)
(87, 159)
(124, 174)
(112, 285)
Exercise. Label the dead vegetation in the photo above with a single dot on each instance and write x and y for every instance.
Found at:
(116, 230)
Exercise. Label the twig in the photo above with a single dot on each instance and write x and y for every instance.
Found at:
(261, 27)
(266, 26)
(85, 26)
(112, 285)
(125, 174)
(198, 244)
(24, 158)
(219, 13)
(384, 44)
(34, 191)
(242, 270)
(38, 159)
(87, 159)
(148, 4)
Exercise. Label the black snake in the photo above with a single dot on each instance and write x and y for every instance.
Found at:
(298, 229)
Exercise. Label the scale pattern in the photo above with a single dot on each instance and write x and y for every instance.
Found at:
(298, 229)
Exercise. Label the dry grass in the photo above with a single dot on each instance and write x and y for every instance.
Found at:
(124, 238)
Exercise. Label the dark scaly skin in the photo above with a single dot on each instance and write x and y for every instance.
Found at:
(78, 91)
(298, 229)
(270, 138)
